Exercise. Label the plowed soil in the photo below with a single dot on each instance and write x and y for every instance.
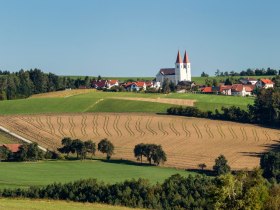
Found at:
(187, 141)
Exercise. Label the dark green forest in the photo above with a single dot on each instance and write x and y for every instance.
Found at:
(23, 84)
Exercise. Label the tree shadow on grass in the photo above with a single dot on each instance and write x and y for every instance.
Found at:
(203, 172)
(125, 162)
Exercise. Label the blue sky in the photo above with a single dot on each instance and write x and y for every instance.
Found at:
(137, 38)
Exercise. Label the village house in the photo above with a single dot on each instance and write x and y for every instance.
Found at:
(14, 148)
(248, 81)
(231, 90)
(101, 84)
(265, 83)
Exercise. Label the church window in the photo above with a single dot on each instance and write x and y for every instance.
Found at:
(177, 66)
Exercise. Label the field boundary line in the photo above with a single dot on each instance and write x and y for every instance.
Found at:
(92, 105)
(20, 137)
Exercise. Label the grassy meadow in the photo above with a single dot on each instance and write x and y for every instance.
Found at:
(105, 102)
(26, 204)
(25, 174)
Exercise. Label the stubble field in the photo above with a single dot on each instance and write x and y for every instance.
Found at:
(187, 141)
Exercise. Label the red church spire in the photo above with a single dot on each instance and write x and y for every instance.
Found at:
(186, 58)
(179, 59)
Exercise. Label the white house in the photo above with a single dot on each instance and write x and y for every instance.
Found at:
(181, 72)
(265, 83)
(248, 81)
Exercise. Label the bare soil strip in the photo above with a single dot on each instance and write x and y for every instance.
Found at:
(181, 102)
(187, 141)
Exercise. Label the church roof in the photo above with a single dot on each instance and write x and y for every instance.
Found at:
(167, 71)
(186, 58)
(179, 59)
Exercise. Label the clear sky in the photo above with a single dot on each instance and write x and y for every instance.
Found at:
(137, 38)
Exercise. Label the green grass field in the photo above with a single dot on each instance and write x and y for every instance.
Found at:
(26, 204)
(103, 102)
(24, 174)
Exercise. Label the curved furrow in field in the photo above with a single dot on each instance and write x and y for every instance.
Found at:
(208, 131)
(115, 125)
(173, 129)
(105, 126)
(187, 132)
(138, 126)
(148, 127)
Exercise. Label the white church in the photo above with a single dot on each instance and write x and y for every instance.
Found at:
(181, 72)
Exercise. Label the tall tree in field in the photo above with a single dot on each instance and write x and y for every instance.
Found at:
(90, 147)
(79, 148)
(158, 155)
(221, 166)
(67, 146)
(105, 146)
(139, 151)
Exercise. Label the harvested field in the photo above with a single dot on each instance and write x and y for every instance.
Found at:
(187, 141)
(63, 93)
(181, 102)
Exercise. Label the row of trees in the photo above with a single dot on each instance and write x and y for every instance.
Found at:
(265, 110)
(248, 72)
(154, 153)
(82, 148)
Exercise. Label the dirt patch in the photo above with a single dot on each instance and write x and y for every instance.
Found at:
(187, 141)
(181, 102)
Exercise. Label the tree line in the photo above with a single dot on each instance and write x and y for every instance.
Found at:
(244, 190)
(265, 110)
(22, 84)
(248, 72)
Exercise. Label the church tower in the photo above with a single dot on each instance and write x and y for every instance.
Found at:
(187, 67)
(180, 73)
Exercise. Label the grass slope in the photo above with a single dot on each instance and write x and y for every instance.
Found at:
(24, 174)
(92, 102)
(26, 204)
(8, 139)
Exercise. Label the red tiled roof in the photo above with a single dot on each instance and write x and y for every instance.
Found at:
(179, 59)
(225, 87)
(267, 81)
(113, 81)
(140, 84)
(249, 88)
(186, 58)
(12, 147)
(207, 90)
(237, 87)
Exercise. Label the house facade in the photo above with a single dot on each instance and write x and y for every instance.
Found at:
(181, 72)
(265, 83)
